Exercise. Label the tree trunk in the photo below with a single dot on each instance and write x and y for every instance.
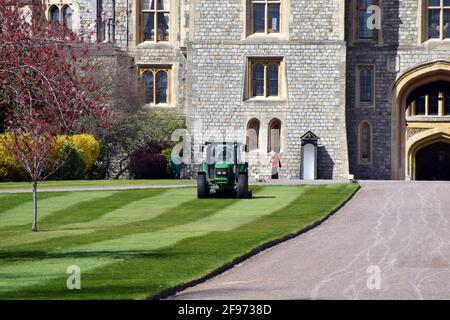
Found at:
(34, 227)
(121, 172)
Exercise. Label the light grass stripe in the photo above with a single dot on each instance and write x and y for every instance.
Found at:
(23, 214)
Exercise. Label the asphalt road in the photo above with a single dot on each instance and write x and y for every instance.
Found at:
(392, 241)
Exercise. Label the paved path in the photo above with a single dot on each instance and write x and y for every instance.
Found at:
(401, 227)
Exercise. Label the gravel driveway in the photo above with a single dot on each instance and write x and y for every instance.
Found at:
(392, 241)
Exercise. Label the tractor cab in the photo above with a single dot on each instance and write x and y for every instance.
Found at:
(222, 170)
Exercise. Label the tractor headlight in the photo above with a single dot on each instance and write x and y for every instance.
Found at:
(221, 172)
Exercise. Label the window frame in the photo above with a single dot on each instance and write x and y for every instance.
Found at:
(61, 8)
(376, 32)
(155, 70)
(64, 9)
(426, 17)
(443, 109)
(155, 11)
(365, 161)
(358, 102)
(50, 9)
(266, 4)
(266, 62)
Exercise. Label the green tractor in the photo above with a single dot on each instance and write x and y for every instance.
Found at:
(222, 171)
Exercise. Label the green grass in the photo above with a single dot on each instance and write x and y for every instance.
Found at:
(93, 183)
(137, 243)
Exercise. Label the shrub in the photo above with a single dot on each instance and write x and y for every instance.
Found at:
(82, 146)
(99, 169)
(146, 164)
(73, 167)
(9, 169)
(174, 169)
(85, 144)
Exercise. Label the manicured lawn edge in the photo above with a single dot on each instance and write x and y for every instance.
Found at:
(77, 184)
(172, 291)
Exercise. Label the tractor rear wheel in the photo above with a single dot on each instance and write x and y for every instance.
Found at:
(242, 187)
(202, 186)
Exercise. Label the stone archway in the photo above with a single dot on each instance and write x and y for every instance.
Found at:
(432, 162)
(403, 135)
(428, 156)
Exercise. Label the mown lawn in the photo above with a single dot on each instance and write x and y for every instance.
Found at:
(93, 183)
(134, 244)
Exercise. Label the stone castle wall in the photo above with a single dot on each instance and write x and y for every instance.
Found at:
(209, 50)
(399, 50)
(313, 54)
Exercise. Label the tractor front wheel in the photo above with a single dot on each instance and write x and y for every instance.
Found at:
(242, 188)
(202, 186)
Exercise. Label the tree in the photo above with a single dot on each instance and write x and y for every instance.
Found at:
(46, 88)
(137, 131)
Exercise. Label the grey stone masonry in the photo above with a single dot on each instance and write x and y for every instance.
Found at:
(312, 52)
(400, 48)
(209, 52)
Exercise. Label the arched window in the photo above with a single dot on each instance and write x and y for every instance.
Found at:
(274, 136)
(149, 86)
(365, 142)
(366, 84)
(156, 85)
(54, 14)
(162, 86)
(253, 127)
(432, 99)
(67, 17)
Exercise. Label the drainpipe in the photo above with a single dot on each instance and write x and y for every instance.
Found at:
(127, 24)
(114, 21)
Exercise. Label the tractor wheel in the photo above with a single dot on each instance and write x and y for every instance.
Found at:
(242, 188)
(202, 187)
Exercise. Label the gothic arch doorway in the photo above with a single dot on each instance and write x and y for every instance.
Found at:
(433, 162)
(420, 116)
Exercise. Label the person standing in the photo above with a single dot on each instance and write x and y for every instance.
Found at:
(276, 165)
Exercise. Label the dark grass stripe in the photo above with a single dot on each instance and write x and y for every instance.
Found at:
(151, 273)
(13, 200)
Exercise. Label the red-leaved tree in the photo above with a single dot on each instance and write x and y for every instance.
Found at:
(46, 88)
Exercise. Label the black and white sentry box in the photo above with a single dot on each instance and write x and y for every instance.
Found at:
(309, 156)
